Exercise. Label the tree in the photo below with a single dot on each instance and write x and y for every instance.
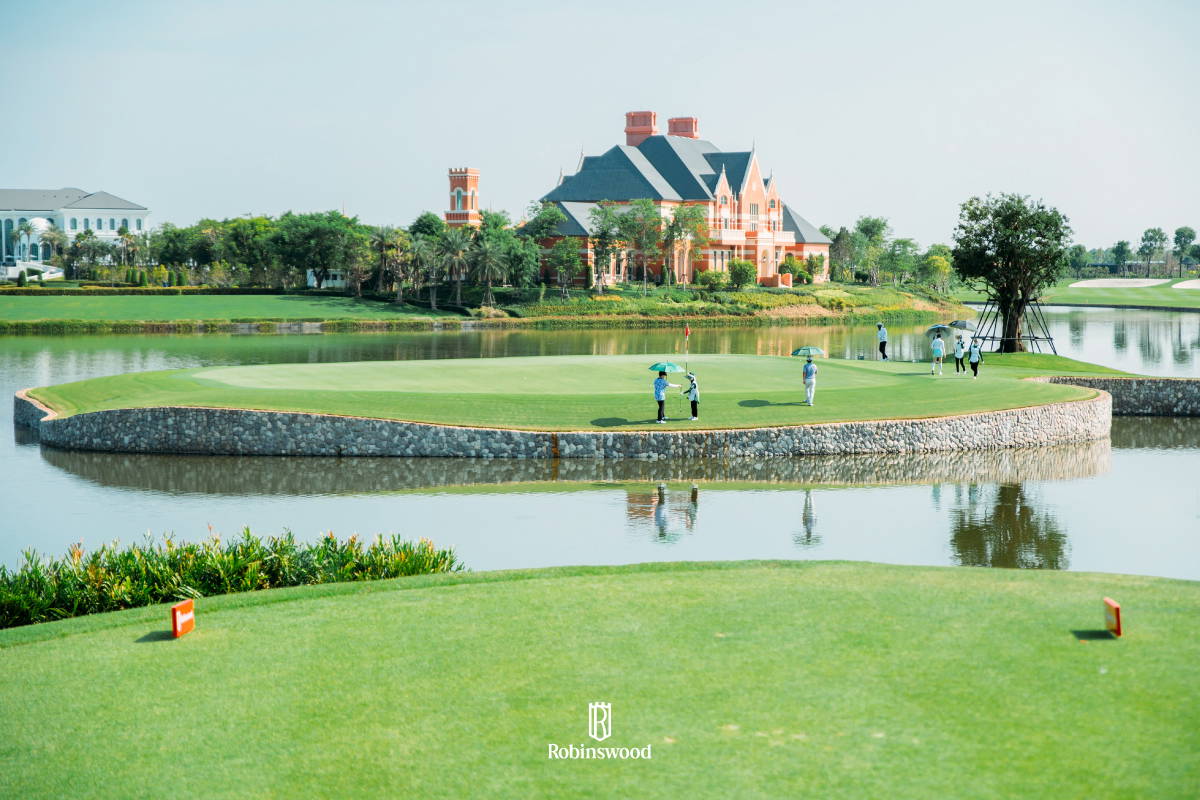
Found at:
(900, 259)
(641, 228)
(321, 242)
(385, 241)
(841, 256)
(870, 234)
(542, 221)
(127, 244)
(564, 260)
(246, 242)
(1183, 244)
(21, 279)
(742, 273)
(1015, 246)
(937, 272)
(1077, 259)
(24, 231)
(453, 247)
(1121, 255)
(1153, 241)
(428, 224)
(421, 259)
(605, 240)
(522, 259)
(687, 228)
(487, 264)
(55, 240)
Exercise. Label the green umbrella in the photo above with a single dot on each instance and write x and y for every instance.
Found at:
(808, 350)
(665, 366)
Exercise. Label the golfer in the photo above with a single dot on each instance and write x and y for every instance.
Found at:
(938, 346)
(810, 380)
(660, 394)
(974, 357)
(882, 334)
(959, 352)
(692, 392)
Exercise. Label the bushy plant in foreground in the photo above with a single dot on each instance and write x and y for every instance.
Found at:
(112, 578)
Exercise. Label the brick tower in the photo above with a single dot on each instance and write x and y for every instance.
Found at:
(464, 198)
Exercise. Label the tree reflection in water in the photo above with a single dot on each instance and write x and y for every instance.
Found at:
(1011, 533)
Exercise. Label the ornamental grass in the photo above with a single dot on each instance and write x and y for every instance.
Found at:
(113, 577)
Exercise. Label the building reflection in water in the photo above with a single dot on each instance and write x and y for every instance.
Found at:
(1009, 530)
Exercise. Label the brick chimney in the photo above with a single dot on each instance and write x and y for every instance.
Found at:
(684, 126)
(639, 125)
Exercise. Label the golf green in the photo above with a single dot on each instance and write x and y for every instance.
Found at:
(748, 679)
(587, 392)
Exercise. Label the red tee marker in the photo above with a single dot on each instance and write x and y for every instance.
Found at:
(1112, 616)
(183, 618)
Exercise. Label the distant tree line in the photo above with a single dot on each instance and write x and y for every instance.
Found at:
(869, 253)
(1155, 254)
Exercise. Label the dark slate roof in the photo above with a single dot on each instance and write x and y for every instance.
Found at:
(104, 200)
(736, 166)
(579, 218)
(681, 161)
(804, 230)
(623, 173)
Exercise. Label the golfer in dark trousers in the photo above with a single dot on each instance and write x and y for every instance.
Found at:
(692, 392)
(660, 394)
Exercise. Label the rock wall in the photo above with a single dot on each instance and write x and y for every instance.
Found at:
(1145, 397)
(244, 432)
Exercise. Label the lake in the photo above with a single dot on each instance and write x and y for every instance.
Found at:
(1131, 505)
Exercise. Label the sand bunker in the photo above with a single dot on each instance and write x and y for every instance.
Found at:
(1118, 283)
(1187, 285)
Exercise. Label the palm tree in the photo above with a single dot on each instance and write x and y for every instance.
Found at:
(426, 264)
(128, 243)
(54, 240)
(453, 248)
(24, 231)
(400, 267)
(487, 265)
(384, 242)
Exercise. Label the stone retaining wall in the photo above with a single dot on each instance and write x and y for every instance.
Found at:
(244, 432)
(1145, 397)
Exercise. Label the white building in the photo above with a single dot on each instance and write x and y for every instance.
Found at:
(70, 210)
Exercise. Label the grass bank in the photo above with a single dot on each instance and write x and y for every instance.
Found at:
(585, 392)
(96, 312)
(749, 679)
(1162, 296)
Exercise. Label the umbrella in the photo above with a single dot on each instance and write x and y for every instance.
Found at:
(964, 324)
(665, 366)
(934, 330)
(808, 350)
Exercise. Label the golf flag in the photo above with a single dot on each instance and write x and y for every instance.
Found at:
(183, 618)
(687, 330)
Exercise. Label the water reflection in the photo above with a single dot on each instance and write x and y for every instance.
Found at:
(668, 514)
(1006, 529)
(807, 536)
(316, 476)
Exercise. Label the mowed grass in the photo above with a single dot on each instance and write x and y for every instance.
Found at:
(585, 392)
(168, 308)
(749, 679)
(1161, 296)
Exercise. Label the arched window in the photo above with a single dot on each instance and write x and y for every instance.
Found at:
(772, 204)
(22, 221)
(125, 224)
(458, 204)
(87, 224)
(33, 253)
(112, 223)
(99, 223)
(139, 223)
(74, 224)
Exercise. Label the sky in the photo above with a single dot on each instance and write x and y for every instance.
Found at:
(900, 110)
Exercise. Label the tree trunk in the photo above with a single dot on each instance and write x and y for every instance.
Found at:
(488, 299)
(433, 296)
(457, 288)
(382, 269)
(1012, 315)
(399, 293)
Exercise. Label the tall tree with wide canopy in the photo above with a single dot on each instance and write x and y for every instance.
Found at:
(1121, 253)
(687, 229)
(1183, 245)
(1014, 246)
(605, 240)
(1153, 241)
(564, 260)
(453, 248)
(428, 224)
(641, 227)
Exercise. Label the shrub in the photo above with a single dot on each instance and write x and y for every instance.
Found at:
(112, 578)
(488, 312)
(711, 280)
(742, 273)
(21, 280)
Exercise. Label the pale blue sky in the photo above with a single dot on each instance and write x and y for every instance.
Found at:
(894, 109)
